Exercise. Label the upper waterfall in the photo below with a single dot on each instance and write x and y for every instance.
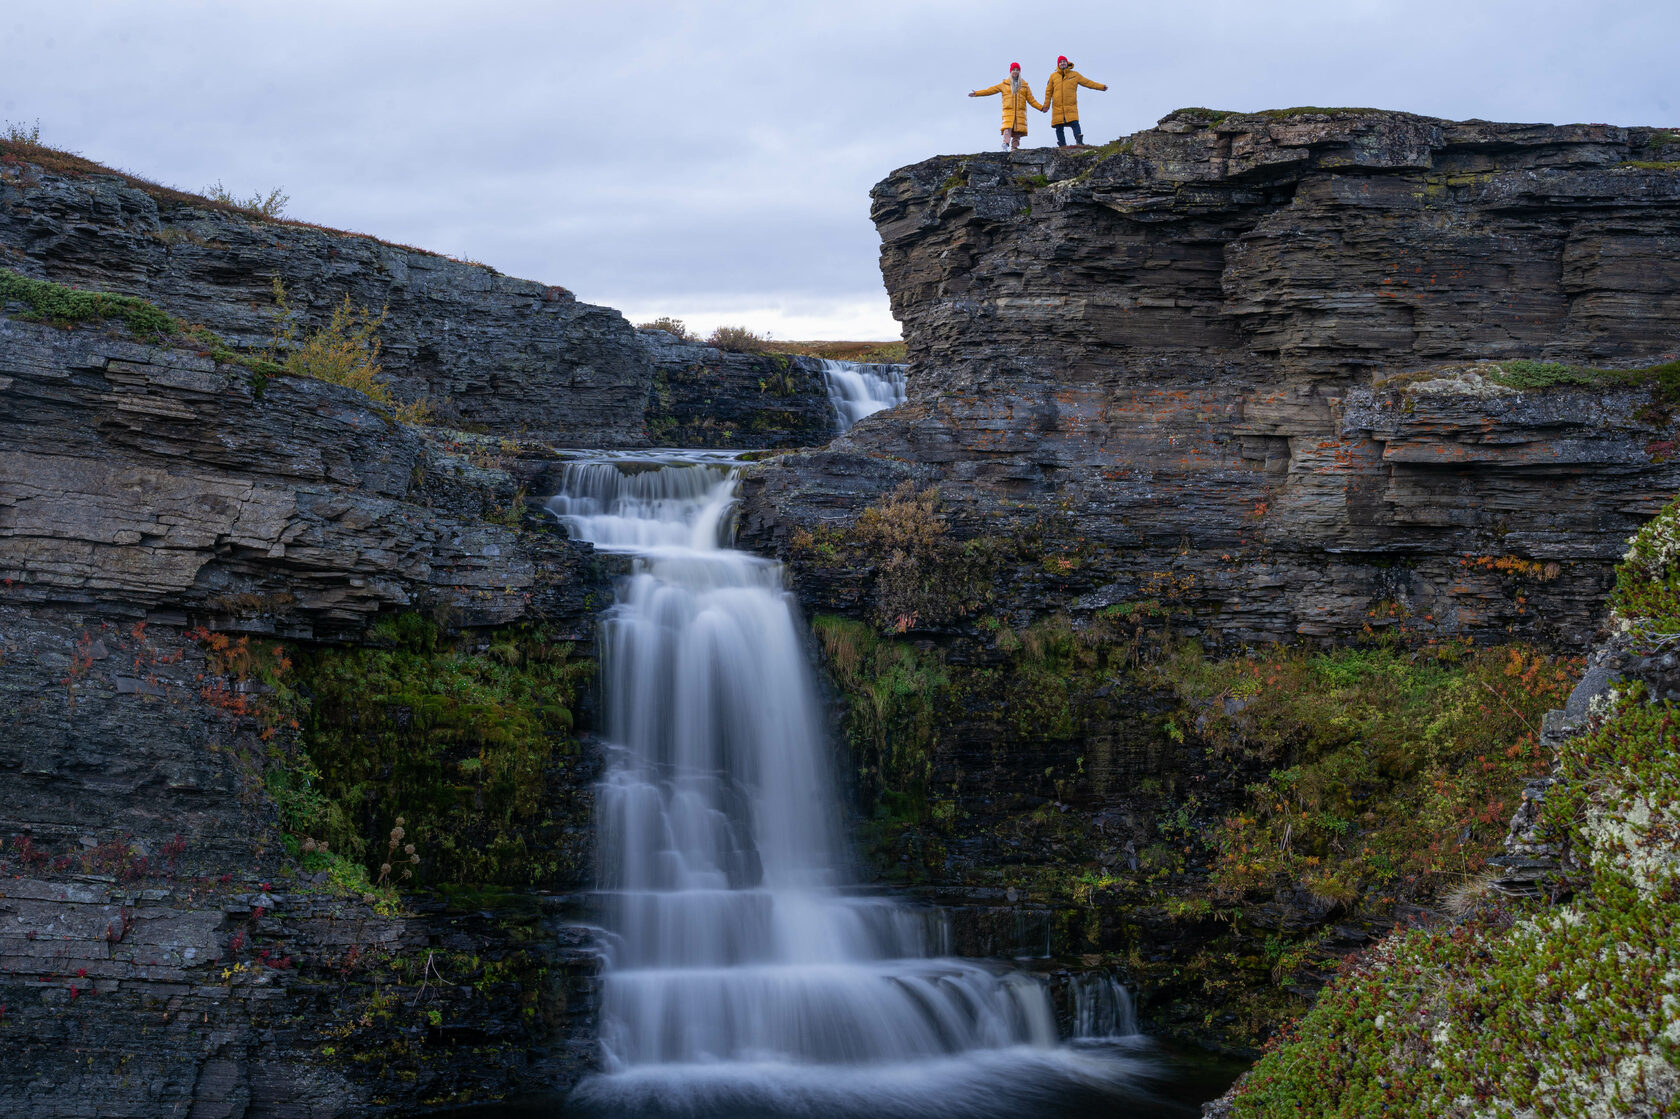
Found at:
(858, 390)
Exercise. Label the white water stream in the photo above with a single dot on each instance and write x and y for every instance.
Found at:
(858, 390)
(739, 967)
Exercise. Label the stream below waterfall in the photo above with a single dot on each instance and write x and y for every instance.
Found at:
(746, 971)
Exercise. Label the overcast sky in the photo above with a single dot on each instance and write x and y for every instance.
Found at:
(712, 161)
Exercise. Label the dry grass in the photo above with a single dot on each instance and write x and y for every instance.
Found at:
(887, 352)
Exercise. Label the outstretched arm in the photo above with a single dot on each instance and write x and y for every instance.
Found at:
(1089, 84)
(989, 89)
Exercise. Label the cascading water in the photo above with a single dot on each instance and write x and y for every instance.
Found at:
(1102, 1007)
(858, 390)
(739, 973)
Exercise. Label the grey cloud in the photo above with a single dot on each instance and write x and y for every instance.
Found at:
(687, 154)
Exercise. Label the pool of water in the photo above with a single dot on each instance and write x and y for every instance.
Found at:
(1132, 1078)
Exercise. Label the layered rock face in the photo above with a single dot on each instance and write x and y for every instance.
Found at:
(513, 357)
(1246, 379)
(159, 947)
(1192, 340)
(702, 396)
(509, 357)
(141, 480)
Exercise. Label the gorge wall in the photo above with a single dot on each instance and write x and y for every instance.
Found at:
(1243, 379)
(490, 352)
(164, 526)
(1308, 376)
(1236, 347)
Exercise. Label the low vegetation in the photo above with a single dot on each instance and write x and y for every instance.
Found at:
(460, 742)
(738, 339)
(270, 205)
(1391, 774)
(669, 326)
(887, 353)
(343, 351)
(65, 306)
(1537, 1007)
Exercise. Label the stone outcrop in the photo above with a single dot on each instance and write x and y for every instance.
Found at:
(511, 357)
(702, 396)
(1240, 349)
(159, 947)
(138, 479)
(1247, 379)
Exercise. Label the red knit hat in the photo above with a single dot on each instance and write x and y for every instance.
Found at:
(1014, 65)
(1061, 58)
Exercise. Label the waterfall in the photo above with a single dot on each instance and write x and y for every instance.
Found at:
(737, 959)
(1102, 1007)
(858, 390)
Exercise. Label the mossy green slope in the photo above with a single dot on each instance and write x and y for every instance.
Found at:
(1531, 1008)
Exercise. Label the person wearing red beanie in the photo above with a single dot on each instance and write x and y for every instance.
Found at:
(1017, 95)
(1062, 92)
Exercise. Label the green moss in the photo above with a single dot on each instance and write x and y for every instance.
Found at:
(1564, 1010)
(1652, 164)
(61, 305)
(1392, 773)
(892, 692)
(1647, 593)
(1208, 116)
(1569, 1008)
(461, 741)
(1662, 379)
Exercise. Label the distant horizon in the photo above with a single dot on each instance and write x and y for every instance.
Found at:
(712, 164)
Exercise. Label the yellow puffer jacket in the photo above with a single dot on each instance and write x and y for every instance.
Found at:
(1062, 91)
(1014, 108)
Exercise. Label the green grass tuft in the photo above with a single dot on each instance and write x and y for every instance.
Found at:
(63, 306)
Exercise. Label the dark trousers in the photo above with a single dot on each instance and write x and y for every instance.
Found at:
(1078, 136)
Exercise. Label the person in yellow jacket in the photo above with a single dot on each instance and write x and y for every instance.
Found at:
(1062, 91)
(1017, 95)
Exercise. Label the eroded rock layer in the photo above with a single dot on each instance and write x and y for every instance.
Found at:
(172, 533)
(1194, 340)
(496, 353)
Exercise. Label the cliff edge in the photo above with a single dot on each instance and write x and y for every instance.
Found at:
(1322, 367)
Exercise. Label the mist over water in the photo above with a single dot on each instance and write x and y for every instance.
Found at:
(744, 972)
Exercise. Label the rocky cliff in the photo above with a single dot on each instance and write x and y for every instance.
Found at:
(493, 354)
(1237, 347)
(175, 535)
(1324, 377)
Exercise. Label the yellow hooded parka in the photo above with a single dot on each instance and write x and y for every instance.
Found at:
(1014, 108)
(1062, 90)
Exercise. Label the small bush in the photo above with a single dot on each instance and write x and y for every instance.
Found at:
(670, 326)
(343, 352)
(270, 205)
(923, 577)
(19, 133)
(739, 339)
